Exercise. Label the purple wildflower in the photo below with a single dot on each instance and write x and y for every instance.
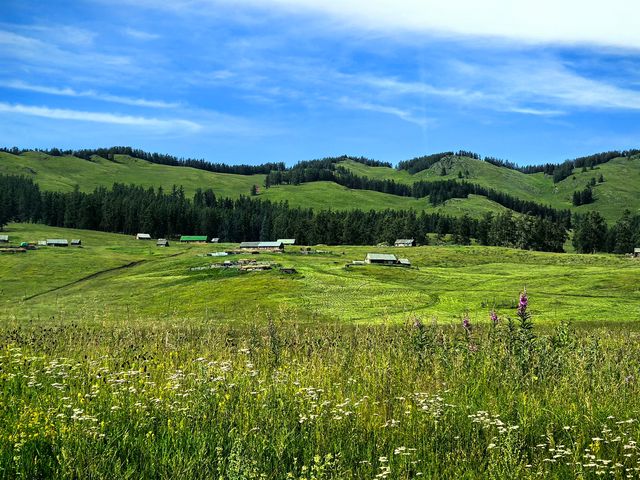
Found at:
(417, 323)
(494, 317)
(466, 323)
(524, 301)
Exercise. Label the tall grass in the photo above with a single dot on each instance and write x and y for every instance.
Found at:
(280, 400)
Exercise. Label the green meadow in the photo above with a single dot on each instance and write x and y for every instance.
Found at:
(123, 360)
(115, 278)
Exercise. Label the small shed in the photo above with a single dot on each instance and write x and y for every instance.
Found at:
(75, 242)
(381, 259)
(405, 242)
(214, 240)
(57, 242)
(42, 243)
(162, 242)
(404, 262)
(143, 236)
(193, 239)
(4, 238)
(287, 241)
(636, 252)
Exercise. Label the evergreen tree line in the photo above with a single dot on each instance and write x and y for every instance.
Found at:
(437, 191)
(592, 234)
(132, 209)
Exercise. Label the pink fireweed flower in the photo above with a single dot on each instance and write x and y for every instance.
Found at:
(524, 301)
(466, 323)
(494, 317)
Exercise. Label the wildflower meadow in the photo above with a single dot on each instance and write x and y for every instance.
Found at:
(279, 399)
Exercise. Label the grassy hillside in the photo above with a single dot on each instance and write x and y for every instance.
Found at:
(620, 190)
(64, 173)
(157, 284)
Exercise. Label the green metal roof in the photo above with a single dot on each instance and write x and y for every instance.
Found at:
(193, 238)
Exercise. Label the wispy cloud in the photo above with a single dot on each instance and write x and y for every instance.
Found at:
(140, 34)
(100, 117)
(404, 114)
(70, 92)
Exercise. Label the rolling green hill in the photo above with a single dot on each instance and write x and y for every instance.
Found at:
(64, 173)
(618, 192)
(114, 278)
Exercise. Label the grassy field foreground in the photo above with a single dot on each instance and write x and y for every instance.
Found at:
(278, 400)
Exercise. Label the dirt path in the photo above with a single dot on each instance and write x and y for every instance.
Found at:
(84, 279)
(97, 274)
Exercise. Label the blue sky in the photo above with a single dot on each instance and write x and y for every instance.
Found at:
(250, 81)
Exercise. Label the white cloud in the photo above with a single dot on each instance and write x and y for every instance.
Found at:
(610, 23)
(69, 92)
(99, 117)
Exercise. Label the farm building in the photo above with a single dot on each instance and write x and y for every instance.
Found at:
(405, 242)
(143, 236)
(262, 246)
(76, 242)
(4, 238)
(42, 243)
(193, 239)
(57, 242)
(214, 240)
(386, 259)
(287, 241)
(636, 252)
(162, 242)
(381, 258)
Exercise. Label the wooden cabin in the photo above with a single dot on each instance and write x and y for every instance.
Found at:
(57, 242)
(268, 246)
(405, 242)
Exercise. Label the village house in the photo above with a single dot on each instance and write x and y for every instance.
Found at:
(214, 240)
(272, 246)
(405, 242)
(143, 236)
(636, 252)
(162, 242)
(57, 242)
(287, 241)
(4, 238)
(381, 259)
(193, 239)
(386, 259)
